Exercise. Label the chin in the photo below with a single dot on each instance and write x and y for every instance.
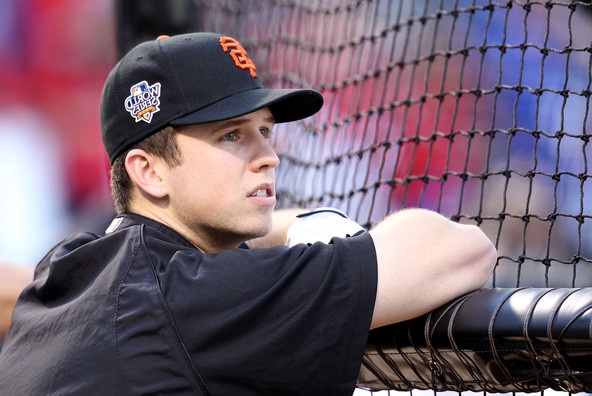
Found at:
(261, 231)
(262, 228)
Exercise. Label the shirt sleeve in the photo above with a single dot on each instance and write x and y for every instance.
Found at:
(280, 320)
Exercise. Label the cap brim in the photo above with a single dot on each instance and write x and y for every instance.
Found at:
(285, 104)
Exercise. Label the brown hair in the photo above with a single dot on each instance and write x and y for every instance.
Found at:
(162, 144)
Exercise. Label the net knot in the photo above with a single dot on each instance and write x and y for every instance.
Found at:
(546, 262)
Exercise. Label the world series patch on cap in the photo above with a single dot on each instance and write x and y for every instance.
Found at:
(189, 79)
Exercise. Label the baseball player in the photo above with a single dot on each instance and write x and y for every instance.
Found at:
(192, 289)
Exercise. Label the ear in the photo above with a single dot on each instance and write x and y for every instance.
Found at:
(146, 171)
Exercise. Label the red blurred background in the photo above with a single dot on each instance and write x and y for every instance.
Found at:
(54, 57)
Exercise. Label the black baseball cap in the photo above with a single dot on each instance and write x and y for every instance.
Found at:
(189, 79)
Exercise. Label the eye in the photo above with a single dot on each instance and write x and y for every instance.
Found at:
(266, 132)
(230, 137)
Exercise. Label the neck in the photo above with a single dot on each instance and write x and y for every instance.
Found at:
(206, 239)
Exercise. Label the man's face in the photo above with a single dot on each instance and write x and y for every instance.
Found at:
(223, 193)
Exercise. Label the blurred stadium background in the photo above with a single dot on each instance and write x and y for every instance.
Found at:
(54, 57)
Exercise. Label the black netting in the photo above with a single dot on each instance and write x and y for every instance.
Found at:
(476, 109)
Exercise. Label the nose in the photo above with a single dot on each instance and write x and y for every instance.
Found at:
(264, 155)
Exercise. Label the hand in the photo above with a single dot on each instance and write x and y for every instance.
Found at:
(320, 225)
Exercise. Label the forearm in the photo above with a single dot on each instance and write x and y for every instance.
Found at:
(282, 220)
(13, 279)
(425, 260)
(297, 225)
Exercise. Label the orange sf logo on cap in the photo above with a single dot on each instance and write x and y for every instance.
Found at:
(238, 54)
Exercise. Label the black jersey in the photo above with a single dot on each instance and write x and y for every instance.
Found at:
(142, 311)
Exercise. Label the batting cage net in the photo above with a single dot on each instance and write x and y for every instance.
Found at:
(476, 109)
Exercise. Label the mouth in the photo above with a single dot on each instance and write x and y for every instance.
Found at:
(262, 192)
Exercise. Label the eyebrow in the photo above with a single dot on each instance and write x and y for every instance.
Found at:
(240, 121)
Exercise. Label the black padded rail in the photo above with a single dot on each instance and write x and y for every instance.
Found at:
(495, 340)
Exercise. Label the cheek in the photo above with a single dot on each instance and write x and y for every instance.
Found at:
(210, 172)
(222, 167)
(213, 176)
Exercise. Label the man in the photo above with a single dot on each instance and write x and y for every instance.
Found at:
(171, 300)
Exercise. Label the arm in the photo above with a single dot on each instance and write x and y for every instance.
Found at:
(13, 279)
(293, 226)
(424, 261)
(282, 220)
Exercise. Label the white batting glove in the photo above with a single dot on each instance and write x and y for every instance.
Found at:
(320, 225)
